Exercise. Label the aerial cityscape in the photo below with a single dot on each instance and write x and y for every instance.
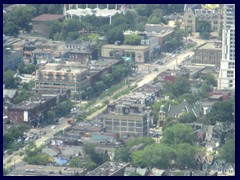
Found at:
(119, 89)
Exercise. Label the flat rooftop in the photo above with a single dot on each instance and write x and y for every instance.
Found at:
(48, 17)
(210, 45)
(125, 47)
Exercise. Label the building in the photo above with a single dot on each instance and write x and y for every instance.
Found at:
(226, 78)
(163, 32)
(62, 76)
(81, 51)
(162, 115)
(41, 24)
(197, 12)
(12, 52)
(138, 54)
(125, 123)
(109, 169)
(209, 53)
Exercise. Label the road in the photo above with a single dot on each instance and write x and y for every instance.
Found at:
(62, 124)
(18, 160)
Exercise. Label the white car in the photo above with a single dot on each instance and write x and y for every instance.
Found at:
(53, 127)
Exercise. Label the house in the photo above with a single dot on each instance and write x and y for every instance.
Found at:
(9, 94)
(157, 172)
(229, 169)
(51, 151)
(218, 167)
(129, 170)
(175, 111)
(209, 133)
(142, 171)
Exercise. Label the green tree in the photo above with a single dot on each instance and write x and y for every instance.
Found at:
(222, 112)
(132, 39)
(9, 80)
(22, 96)
(204, 28)
(114, 35)
(185, 156)
(228, 151)
(155, 155)
(11, 29)
(64, 108)
(156, 17)
(179, 133)
(210, 79)
(121, 154)
(50, 115)
(179, 87)
(187, 118)
(75, 163)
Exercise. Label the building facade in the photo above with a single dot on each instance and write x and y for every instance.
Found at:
(197, 12)
(226, 78)
(138, 54)
(209, 53)
(124, 122)
(62, 76)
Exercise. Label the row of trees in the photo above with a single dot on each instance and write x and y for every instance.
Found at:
(107, 80)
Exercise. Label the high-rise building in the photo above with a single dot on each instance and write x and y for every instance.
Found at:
(226, 78)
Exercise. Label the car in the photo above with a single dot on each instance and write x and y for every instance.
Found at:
(53, 127)
(51, 172)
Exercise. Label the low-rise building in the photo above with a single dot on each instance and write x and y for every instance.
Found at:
(138, 54)
(209, 53)
(41, 24)
(109, 169)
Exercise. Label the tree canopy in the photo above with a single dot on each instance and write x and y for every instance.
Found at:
(177, 88)
(132, 39)
(228, 151)
(204, 28)
(9, 80)
(179, 133)
(222, 112)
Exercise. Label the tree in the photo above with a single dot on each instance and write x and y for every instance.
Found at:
(187, 118)
(141, 140)
(204, 28)
(121, 154)
(155, 155)
(210, 79)
(22, 96)
(179, 87)
(132, 39)
(228, 151)
(50, 115)
(64, 108)
(11, 29)
(75, 162)
(179, 133)
(156, 17)
(185, 156)
(9, 80)
(114, 35)
(222, 112)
